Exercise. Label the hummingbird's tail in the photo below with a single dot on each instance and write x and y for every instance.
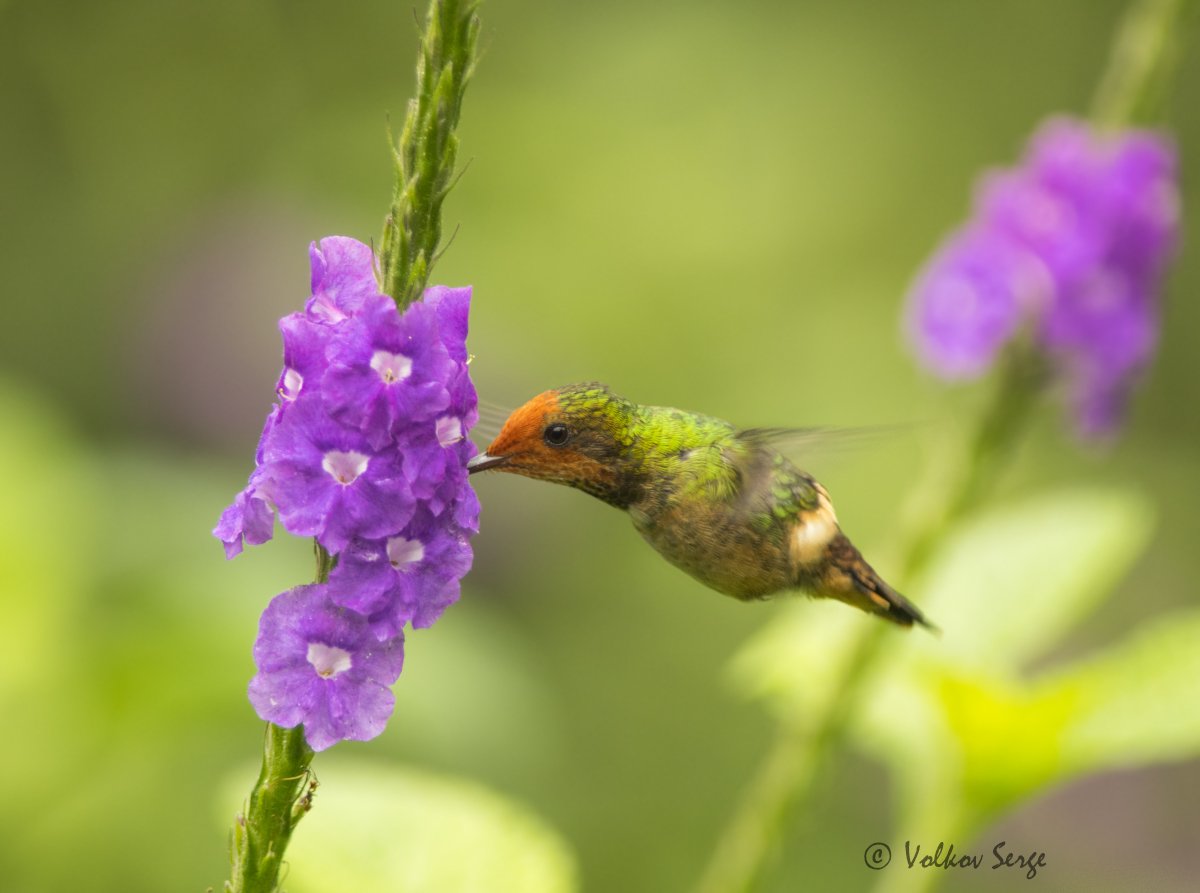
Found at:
(844, 574)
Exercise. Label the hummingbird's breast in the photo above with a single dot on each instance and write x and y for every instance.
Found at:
(724, 525)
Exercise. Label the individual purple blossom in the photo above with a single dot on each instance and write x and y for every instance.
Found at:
(388, 371)
(343, 278)
(249, 519)
(306, 342)
(409, 577)
(328, 482)
(320, 665)
(1070, 247)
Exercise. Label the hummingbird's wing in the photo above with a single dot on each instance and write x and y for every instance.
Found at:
(818, 436)
(823, 560)
(805, 443)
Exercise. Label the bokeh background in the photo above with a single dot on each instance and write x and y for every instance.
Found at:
(714, 205)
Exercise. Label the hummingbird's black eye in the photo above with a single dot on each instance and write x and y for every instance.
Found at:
(556, 435)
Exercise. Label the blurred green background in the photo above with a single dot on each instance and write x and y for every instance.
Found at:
(714, 205)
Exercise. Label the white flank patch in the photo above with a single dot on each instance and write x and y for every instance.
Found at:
(815, 530)
(811, 536)
(402, 552)
(824, 503)
(449, 430)
(344, 467)
(328, 660)
(391, 367)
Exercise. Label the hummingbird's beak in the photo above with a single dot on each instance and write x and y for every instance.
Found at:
(483, 462)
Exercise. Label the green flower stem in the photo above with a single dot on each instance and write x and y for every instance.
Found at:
(982, 456)
(279, 800)
(1143, 58)
(427, 149)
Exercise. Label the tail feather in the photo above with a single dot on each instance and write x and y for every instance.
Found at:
(846, 576)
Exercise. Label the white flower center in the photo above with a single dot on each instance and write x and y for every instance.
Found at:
(449, 430)
(1103, 291)
(328, 660)
(391, 367)
(344, 467)
(1045, 215)
(402, 552)
(293, 381)
(1162, 202)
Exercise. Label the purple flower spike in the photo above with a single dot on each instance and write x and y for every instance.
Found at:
(320, 665)
(366, 450)
(1071, 246)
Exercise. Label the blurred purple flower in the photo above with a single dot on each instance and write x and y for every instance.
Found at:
(1070, 246)
(366, 450)
(320, 665)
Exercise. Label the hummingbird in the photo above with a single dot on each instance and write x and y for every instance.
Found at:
(723, 504)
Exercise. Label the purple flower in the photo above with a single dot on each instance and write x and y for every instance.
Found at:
(366, 450)
(409, 577)
(972, 298)
(389, 371)
(320, 665)
(452, 306)
(250, 519)
(1070, 246)
(305, 344)
(328, 482)
(343, 278)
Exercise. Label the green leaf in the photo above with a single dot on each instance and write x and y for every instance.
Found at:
(798, 660)
(1007, 586)
(1138, 701)
(381, 828)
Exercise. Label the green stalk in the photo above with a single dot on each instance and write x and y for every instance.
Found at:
(1132, 90)
(281, 796)
(427, 149)
(424, 161)
(1144, 55)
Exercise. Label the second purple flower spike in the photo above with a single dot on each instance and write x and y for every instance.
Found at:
(1070, 246)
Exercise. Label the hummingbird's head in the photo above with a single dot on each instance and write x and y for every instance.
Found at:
(575, 435)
